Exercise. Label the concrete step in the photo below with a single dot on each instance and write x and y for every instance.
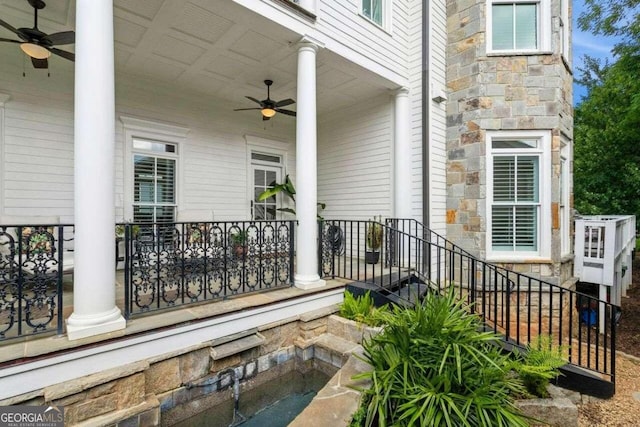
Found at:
(332, 349)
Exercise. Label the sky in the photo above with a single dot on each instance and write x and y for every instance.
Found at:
(585, 43)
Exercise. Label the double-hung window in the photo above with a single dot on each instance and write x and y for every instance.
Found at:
(518, 25)
(154, 181)
(518, 199)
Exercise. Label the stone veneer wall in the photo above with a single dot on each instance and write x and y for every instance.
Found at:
(500, 93)
(153, 392)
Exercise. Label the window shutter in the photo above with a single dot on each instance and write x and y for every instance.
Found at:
(514, 214)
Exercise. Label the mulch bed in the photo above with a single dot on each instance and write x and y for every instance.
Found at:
(628, 332)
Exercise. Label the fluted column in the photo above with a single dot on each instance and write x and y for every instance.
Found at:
(94, 292)
(306, 275)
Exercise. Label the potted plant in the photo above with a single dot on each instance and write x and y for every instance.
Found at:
(238, 239)
(374, 241)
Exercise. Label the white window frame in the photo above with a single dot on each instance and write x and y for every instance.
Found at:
(564, 29)
(543, 151)
(564, 207)
(4, 98)
(544, 28)
(387, 10)
(272, 147)
(135, 128)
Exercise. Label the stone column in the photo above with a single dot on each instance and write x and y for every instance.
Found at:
(402, 155)
(94, 291)
(306, 276)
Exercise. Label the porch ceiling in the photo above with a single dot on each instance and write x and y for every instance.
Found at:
(212, 48)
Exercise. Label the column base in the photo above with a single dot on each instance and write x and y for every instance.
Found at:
(306, 282)
(82, 326)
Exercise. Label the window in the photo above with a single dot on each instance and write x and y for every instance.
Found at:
(564, 41)
(518, 26)
(372, 9)
(153, 154)
(518, 219)
(564, 213)
(267, 172)
(154, 181)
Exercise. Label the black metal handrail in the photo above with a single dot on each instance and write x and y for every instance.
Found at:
(173, 264)
(32, 265)
(518, 306)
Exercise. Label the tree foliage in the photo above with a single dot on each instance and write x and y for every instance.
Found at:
(618, 18)
(607, 138)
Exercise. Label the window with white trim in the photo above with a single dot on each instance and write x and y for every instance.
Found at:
(564, 213)
(373, 9)
(377, 11)
(518, 196)
(518, 26)
(565, 43)
(153, 154)
(154, 181)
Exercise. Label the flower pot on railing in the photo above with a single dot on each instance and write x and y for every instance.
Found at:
(374, 241)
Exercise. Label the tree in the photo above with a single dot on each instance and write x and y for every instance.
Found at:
(618, 18)
(607, 138)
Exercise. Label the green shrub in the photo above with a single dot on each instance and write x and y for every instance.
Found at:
(361, 309)
(539, 364)
(433, 367)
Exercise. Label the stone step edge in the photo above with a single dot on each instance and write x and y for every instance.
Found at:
(237, 346)
(337, 344)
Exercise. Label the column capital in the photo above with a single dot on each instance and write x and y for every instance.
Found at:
(4, 98)
(401, 91)
(309, 42)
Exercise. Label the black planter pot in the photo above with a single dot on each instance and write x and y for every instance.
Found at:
(371, 257)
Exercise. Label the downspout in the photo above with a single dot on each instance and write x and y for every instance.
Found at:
(425, 115)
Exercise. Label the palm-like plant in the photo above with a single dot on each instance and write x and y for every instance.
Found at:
(432, 366)
(288, 189)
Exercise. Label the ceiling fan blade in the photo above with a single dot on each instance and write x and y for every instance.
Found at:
(66, 55)
(285, 102)
(8, 27)
(10, 41)
(246, 109)
(287, 112)
(253, 99)
(64, 37)
(40, 63)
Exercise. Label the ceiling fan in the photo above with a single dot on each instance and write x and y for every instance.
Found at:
(38, 45)
(269, 107)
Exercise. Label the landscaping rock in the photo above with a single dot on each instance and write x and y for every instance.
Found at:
(560, 412)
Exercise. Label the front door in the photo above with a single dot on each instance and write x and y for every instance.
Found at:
(264, 177)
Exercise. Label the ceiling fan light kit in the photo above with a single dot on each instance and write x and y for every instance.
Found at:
(35, 51)
(268, 112)
(268, 107)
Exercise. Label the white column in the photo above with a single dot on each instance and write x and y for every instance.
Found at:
(402, 155)
(94, 292)
(306, 276)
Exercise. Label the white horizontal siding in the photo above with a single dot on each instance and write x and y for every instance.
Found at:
(355, 160)
(38, 149)
(437, 117)
(341, 21)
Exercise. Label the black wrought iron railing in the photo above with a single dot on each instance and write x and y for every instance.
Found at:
(173, 264)
(33, 261)
(518, 306)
